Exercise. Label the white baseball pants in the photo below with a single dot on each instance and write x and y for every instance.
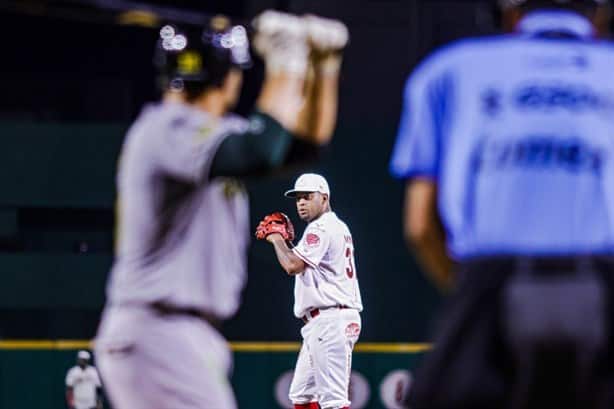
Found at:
(322, 372)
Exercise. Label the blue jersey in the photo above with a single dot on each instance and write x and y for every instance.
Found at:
(517, 132)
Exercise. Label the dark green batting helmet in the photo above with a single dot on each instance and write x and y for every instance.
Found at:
(200, 57)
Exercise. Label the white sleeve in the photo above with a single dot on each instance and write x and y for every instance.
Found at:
(70, 378)
(313, 246)
(96, 378)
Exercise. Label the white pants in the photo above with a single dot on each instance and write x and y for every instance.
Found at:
(322, 372)
(148, 361)
(77, 406)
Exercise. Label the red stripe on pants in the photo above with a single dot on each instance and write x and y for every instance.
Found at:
(310, 405)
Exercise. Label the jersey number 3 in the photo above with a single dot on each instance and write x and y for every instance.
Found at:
(349, 270)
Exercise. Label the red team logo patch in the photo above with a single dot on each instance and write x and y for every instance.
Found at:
(312, 239)
(352, 330)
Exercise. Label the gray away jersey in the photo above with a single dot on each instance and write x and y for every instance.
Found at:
(182, 238)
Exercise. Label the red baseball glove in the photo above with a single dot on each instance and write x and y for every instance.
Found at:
(275, 223)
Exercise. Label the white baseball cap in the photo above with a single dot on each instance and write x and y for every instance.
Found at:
(83, 355)
(309, 182)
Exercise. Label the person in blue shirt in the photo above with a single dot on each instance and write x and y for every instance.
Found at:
(506, 144)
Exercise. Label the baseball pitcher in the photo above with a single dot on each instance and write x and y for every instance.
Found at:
(326, 293)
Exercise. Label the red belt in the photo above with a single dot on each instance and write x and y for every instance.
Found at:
(314, 312)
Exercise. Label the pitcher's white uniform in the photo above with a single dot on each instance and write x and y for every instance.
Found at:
(327, 297)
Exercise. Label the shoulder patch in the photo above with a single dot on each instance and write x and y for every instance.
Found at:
(312, 239)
